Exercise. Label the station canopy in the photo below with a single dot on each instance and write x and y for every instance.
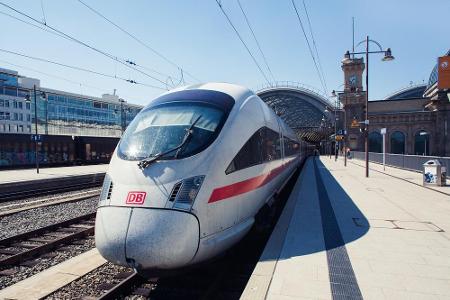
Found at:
(309, 113)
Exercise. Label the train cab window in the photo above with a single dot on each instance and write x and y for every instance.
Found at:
(162, 128)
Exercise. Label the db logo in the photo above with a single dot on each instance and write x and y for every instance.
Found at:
(136, 198)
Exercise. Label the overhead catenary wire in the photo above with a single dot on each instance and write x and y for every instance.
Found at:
(60, 35)
(309, 47)
(242, 41)
(139, 41)
(82, 43)
(315, 46)
(79, 68)
(50, 75)
(256, 40)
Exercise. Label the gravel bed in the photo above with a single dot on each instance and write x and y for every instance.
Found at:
(88, 284)
(45, 263)
(43, 216)
(13, 204)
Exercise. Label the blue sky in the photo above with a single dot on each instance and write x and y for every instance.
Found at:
(197, 36)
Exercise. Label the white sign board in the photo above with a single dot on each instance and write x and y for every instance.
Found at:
(383, 131)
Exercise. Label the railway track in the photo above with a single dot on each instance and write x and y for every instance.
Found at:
(42, 191)
(13, 208)
(22, 247)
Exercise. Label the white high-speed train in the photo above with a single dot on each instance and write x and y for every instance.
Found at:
(189, 175)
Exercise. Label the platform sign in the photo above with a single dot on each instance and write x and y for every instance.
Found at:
(444, 72)
(37, 138)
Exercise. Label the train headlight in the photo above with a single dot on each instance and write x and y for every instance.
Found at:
(186, 192)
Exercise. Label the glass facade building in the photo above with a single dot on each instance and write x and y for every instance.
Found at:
(73, 127)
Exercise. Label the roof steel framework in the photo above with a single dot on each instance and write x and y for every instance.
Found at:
(302, 109)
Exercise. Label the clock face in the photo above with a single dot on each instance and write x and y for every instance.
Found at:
(352, 80)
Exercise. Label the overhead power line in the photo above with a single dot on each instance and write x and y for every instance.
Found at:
(242, 41)
(256, 40)
(81, 42)
(315, 46)
(310, 49)
(139, 40)
(79, 68)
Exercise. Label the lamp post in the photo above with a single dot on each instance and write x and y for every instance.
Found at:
(334, 95)
(27, 99)
(122, 113)
(387, 57)
(424, 134)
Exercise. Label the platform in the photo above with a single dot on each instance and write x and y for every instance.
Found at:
(46, 282)
(344, 236)
(10, 176)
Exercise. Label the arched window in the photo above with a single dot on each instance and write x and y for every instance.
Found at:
(398, 142)
(375, 142)
(422, 143)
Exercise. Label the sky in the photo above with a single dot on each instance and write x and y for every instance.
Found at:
(196, 36)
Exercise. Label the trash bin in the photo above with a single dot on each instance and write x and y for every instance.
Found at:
(432, 173)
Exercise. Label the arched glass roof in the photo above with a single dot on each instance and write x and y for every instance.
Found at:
(408, 93)
(301, 109)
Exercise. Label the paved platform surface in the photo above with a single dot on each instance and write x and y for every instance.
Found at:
(411, 176)
(8, 176)
(48, 281)
(344, 236)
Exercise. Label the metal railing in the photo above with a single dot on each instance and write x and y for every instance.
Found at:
(408, 162)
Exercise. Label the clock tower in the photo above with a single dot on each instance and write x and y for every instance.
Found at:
(354, 100)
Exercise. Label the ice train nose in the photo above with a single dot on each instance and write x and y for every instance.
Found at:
(146, 238)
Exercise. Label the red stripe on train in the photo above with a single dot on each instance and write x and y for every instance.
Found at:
(246, 186)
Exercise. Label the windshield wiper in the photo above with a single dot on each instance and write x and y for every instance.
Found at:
(148, 161)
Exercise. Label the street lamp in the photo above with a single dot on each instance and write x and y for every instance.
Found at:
(387, 57)
(27, 99)
(122, 113)
(424, 134)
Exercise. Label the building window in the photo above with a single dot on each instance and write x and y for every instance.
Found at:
(15, 104)
(20, 128)
(28, 105)
(375, 142)
(398, 142)
(422, 143)
(16, 116)
(20, 105)
(28, 128)
(28, 118)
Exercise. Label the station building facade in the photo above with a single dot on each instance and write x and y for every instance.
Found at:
(72, 127)
(416, 118)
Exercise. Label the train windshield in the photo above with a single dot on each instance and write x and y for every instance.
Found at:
(157, 130)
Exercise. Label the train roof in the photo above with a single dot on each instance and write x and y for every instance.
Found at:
(237, 92)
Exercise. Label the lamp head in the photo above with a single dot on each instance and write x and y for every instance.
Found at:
(388, 55)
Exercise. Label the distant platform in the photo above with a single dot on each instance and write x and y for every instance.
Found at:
(344, 236)
(15, 176)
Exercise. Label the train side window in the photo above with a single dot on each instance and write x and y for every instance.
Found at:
(249, 155)
(272, 145)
